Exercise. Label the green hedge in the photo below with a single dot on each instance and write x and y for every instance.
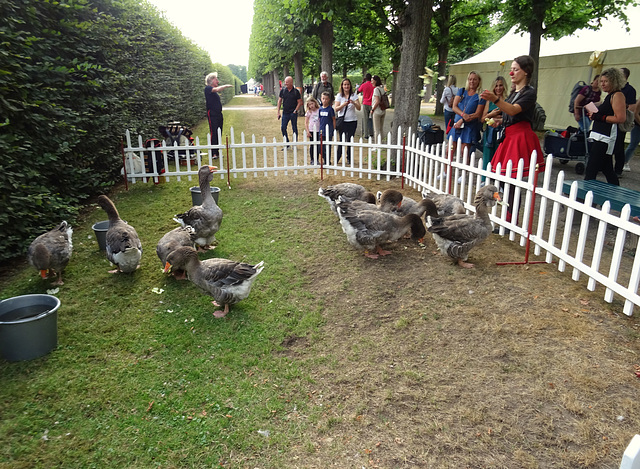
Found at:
(74, 75)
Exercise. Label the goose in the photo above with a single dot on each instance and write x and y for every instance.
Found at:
(367, 230)
(205, 219)
(394, 202)
(124, 248)
(174, 239)
(348, 190)
(228, 282)
(447, 204)
(458, 234)
(50, 252)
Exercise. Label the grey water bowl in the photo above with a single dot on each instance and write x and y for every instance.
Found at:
(196, 195)
(100, 229)
(28, 326)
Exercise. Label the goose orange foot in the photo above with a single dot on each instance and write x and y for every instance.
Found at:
(220, 314)
(382, 252)
(371, 256)
(464, 264)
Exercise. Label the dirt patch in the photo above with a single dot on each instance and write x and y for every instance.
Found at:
(424, 364)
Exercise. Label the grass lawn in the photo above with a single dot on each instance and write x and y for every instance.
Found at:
(334, 360)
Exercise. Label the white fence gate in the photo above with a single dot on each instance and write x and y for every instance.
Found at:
(588, 240)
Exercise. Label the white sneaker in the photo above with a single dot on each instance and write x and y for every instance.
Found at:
(626, 167)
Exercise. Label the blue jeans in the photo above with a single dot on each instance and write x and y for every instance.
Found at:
(584, 124)
(633, 143)
(286, 118)
(448, 116)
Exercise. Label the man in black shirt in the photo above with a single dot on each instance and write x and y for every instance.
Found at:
(214, 107)
(629, 93)
(291, 101)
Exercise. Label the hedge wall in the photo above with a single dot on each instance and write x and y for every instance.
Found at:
(74, 74)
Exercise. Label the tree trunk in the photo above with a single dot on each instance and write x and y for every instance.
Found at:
(443, 52)
(326, 38)
(415, 24)
(276, 84)
(535, 35)
(299, 80)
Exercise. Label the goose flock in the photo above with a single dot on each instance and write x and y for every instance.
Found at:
(369, 221)
(370, 225)
(228, 282)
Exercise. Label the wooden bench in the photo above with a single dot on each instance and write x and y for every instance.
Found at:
(617, 196)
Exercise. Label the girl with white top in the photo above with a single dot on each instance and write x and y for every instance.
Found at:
(312, 124)
(346, 104)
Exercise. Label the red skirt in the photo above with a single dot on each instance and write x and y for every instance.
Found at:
(519, 142)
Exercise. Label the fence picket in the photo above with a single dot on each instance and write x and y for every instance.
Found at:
(436, 169)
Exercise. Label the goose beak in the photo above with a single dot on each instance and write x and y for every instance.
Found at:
(167, 268)
(43, 273)
(213, 168)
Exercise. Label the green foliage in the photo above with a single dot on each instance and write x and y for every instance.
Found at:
(240, 71)
(75, 75)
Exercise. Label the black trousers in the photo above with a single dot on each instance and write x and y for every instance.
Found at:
(215, 123)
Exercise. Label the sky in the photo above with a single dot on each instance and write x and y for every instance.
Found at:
(220, 27)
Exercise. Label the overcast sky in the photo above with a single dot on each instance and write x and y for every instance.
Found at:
(222, 28)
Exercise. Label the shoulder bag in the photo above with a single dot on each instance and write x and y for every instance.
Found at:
(627, 125)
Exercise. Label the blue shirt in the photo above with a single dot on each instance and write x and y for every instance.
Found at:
(326, 118)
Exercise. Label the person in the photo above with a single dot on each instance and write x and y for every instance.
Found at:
(489, 138)
(449, 92)
(517, 117)
(468, 107)
(214, 108)
(327, 123)
(324, 85)
(605, 131)
(346, 104)
(312, 124)
(290, 100)
(629, 93)
(366, 88)
(377, 113)
(588, 94)
(634, 139)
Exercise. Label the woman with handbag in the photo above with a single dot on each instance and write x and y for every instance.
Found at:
(468, 106)
(449, 92)
(491, 134)
(377, 113)
(604, 132)
(346, 104)
(517, 117)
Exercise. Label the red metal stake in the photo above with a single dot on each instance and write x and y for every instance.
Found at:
(533, 205)
(321, 159)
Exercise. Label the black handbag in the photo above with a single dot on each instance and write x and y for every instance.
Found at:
(339, 122)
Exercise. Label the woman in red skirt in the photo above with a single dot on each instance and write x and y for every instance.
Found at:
(517, 115)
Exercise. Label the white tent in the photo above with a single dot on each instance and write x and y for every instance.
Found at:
(563, 62)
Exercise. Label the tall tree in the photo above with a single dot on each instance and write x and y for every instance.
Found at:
(415, 23)
(547, 18)
(463, 26)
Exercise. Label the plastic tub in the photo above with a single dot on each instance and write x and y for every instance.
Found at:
(100, 229)
(196, 195)
(28, 326)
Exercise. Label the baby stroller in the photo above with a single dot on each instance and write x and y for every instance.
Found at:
(174, 133)
(428, 132)
(568, 145)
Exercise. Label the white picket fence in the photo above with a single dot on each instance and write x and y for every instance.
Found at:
(594, 242)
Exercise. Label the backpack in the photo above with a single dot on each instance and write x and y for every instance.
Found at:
(539, 118)
(574, 94)
(384, 101)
